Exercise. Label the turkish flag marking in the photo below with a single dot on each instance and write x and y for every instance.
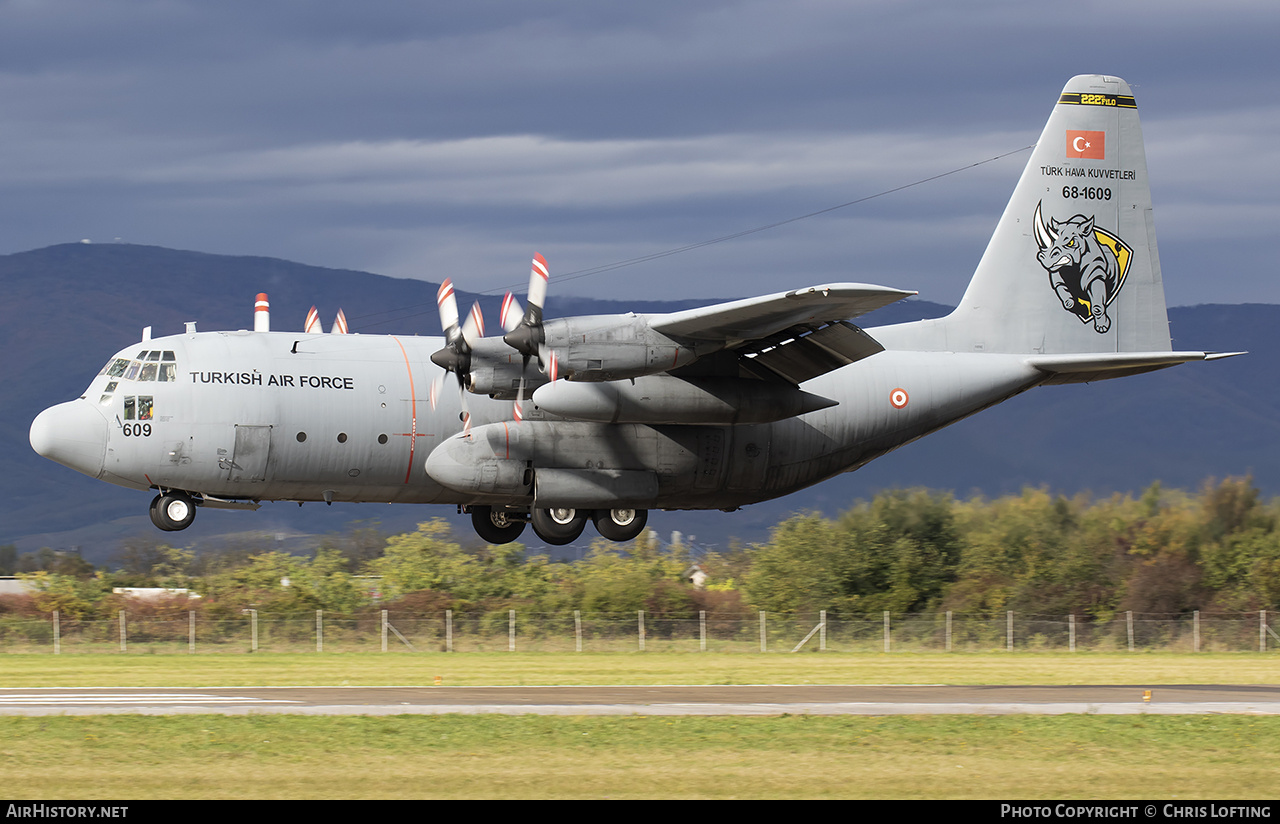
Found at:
(1088, 145)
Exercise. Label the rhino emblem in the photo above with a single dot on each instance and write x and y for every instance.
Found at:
(1086, 266)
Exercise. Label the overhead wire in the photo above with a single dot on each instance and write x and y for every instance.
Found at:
(609, 267)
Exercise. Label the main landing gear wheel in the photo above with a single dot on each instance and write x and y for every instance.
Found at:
(558, 526)
(497, 526)
(173, 511)
(620, 524)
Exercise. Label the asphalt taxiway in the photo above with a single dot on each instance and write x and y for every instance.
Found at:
(756, 699)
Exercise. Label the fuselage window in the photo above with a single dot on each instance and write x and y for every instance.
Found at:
(130, 408)
(149, 370)
(108, 393)
(118, 367)
(132, 373)
(168, 372)
(342, 437)
(302, 436)
(153, 356)
(145, 402)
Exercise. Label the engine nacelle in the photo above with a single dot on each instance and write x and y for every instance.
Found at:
(664, 399)
(614, 347)
(597, 466)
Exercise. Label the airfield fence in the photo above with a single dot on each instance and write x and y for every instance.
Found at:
(509, 630)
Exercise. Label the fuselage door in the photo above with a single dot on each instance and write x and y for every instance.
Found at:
(253, 447)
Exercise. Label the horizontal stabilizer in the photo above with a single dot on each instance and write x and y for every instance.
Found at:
(1095, 367)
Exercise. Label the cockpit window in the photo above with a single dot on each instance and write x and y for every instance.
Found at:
(150, 365)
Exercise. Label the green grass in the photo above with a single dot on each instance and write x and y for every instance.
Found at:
(271, 756)
(1022, 757)
(502, 668)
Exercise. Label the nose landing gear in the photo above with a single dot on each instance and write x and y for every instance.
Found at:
(173, 511)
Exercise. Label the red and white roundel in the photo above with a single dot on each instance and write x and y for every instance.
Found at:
(898, 398)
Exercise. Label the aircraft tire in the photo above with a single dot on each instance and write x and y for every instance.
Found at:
(620, 524)
(495, 525)
(558, 526)
(173, 511)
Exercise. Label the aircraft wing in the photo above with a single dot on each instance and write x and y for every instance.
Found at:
(758, 318)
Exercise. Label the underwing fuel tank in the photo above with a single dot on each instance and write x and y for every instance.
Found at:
(664, 399)
(592, 465)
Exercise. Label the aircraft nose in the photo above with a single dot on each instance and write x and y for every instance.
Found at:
(74, 434)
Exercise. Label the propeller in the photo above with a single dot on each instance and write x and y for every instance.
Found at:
(524, 329)
(459, 339)
(312, 326)
(339, 324)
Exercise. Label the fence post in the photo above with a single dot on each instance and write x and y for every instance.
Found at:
(191, 631)
(702, 630)
(822, 633)
(1128, 620)
(124, 644)
(886, 630)
(253, 630)
(948, 630)
(577, 630)
(640, 627)
(57, 634)
(384, 630)
(319, 630)
(1071, 632)
(1262, 630)
(1008, 631)
(511, 630)
(448, 630)
(1195, 631)
(762, 635)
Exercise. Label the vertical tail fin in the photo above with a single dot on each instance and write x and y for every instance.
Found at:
(1072, 266)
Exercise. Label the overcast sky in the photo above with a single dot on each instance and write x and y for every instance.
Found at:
(421, 139)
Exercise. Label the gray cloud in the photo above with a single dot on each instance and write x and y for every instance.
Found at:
(422, 139)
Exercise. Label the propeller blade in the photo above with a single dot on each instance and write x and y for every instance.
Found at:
(312, 326)
(538, 276)
(339, 324)
(448, 304)
(512, 312)
(549, 361)
(473, 326)
(433, 394)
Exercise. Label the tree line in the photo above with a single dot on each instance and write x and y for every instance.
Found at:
(905, 551)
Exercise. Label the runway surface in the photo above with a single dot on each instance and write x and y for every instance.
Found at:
(761, 699)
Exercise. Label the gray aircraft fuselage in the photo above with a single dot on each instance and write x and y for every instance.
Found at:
(290, 416)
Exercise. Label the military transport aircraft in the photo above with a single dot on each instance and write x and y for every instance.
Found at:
(603, 418)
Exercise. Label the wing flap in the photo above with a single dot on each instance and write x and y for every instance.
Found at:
(798, 355)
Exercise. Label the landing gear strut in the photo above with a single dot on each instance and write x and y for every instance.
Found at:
(173, 511)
